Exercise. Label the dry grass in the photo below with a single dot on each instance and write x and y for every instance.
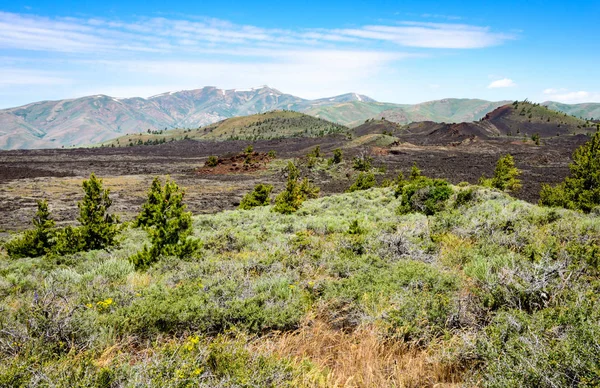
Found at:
(360, 358)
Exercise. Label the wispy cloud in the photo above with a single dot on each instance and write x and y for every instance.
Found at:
(502, 83)
(30, 32)
(16, 77)
(149, 55)
(570, 97)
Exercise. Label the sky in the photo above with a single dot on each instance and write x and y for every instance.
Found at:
(392, 51)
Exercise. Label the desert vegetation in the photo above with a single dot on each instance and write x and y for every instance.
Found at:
(414, 284)
(409, 282)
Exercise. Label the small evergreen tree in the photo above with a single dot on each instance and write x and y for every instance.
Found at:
(505, 176)
(580, 190)
(308, 190)
(364, 181)
(99, 229)
(400, 182)
(415, 173)
(316, 152)
(290, 199)
(150, 207)
(36, 242)
(337, 156)
(362, 163)
(169, 230)
(212, 161)
(258, 197)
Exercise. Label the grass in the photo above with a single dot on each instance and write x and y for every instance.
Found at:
(490, 291)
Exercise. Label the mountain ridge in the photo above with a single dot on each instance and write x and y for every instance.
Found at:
(99, 118)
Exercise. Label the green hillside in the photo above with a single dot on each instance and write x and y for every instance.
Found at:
(350, 113)
(270, 125)
(587, 111)
(450, 110)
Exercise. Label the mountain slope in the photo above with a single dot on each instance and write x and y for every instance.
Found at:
(518, 120)
(587, 111)
(95, 119)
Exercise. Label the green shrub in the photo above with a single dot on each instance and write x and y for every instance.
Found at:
(505, 176)
(272, 154)
(258, 197)
(424, 195)
(580, 190)
(464, 196)
(316, 152)
(362, 163)
(99, 229)
(36, 242)
(249, 149)
(308, 190)
(337, 156)
(212, 161)
(364, 181)
(415, 172)
(290, 199)
(169, 228)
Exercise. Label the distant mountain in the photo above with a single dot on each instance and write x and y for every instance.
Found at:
(95, 119)
(587, 111)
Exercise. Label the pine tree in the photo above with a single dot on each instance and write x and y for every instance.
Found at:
(581, 190)
(150, 208)
(505, 175)
(290, 200)
(170, 228)
(99, 229)
(36, 242)
(258, 197)
(364, 181)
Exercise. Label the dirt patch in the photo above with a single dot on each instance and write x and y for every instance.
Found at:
(243, 163)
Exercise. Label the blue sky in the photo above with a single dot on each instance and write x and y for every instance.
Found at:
(396, 51)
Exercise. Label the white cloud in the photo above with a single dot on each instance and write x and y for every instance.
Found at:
(432, 35)
(28, 32)
(562, 95)
(15, 77)
(502, 83)
(150, 55)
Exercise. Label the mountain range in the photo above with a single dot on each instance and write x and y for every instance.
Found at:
(96, 119)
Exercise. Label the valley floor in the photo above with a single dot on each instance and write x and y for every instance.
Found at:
(29, 175)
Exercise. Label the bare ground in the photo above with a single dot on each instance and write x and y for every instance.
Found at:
(56, 175)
